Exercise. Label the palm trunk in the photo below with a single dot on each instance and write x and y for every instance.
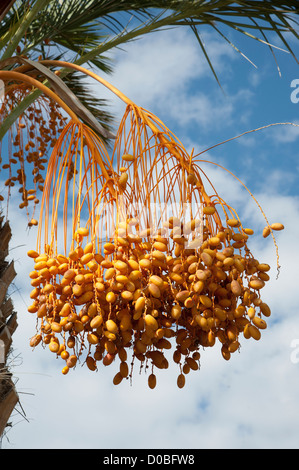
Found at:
(8, 324)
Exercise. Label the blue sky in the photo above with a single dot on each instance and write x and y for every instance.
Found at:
(252, 400)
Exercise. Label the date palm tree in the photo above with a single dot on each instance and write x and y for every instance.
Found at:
(44, 45)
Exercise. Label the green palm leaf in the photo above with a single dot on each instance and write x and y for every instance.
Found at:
(83, 31)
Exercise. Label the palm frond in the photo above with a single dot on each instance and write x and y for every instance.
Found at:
(250, 18)
(84, 31)
(77, 83)
(89, 26)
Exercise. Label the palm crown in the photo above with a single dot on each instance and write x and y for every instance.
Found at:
(82, 32)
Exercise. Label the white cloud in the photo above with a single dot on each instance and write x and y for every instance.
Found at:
(208, 111)
(287, 133)
(162, 64)
(157, 71)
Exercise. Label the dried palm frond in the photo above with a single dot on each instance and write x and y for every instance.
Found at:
(84, 31)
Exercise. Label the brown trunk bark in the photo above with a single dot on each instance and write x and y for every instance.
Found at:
(8, 324)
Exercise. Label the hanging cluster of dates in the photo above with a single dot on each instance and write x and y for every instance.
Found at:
(135, 262)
